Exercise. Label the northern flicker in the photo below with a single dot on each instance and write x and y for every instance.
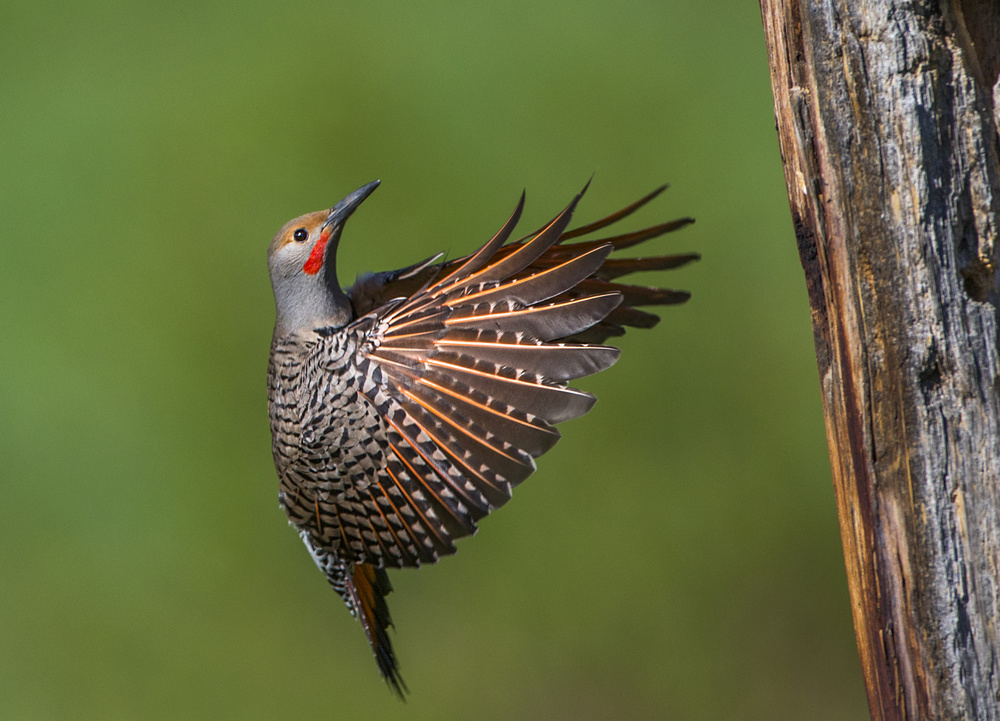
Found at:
(406, 407)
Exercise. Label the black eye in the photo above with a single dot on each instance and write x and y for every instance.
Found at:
(301, 234)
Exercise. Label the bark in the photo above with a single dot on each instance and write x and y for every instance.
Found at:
(887, 122)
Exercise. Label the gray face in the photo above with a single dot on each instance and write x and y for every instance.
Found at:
(306, 294)
(302, 259)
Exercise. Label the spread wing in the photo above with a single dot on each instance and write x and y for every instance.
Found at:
(374, 290)
(468, 374)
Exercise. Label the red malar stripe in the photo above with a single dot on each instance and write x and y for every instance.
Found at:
(315, 261)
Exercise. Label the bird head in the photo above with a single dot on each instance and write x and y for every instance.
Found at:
(302, 260)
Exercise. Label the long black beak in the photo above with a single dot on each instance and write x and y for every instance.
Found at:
(342, 210)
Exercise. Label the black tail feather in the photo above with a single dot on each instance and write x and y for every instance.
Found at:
(369, 586)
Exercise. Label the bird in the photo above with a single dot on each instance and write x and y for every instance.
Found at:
(406, 407)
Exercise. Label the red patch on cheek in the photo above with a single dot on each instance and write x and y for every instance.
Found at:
(315, 261)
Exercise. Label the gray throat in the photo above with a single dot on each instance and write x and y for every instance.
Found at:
(303, 307)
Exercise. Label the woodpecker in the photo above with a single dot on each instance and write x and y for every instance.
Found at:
(406, 407)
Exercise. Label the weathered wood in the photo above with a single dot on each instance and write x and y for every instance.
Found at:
(887, 122)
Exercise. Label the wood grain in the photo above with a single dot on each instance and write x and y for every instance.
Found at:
(887, 125)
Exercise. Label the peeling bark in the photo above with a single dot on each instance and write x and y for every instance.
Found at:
(887, 122)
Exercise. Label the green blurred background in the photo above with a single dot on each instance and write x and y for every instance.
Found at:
(676, 555)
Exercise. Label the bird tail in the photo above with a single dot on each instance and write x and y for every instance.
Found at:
(367, 587)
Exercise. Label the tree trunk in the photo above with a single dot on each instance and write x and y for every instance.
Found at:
(887, 122)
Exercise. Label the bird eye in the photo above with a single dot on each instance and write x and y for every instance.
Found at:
(301, 234)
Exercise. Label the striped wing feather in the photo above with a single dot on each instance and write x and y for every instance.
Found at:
(468, 367)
